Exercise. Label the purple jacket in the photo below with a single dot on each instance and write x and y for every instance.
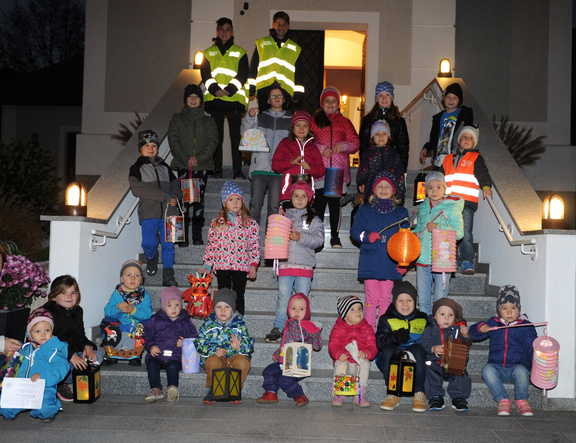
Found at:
(161, 331)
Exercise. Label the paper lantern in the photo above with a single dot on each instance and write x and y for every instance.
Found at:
(198, 296)
(404, 247)
(443, 250)
(277, 242)
(402, 373)
(297, 359)
(190, 357)
(86, 384)
(333, 182)
(419, 190)
(346, 384)
(544, 372)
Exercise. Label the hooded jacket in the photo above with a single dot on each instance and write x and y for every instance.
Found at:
(343, 333)
(164, 332)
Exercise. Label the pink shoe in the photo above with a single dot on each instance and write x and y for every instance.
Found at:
(363, 403)
(524, 408)
(504, 407)
(337, 400)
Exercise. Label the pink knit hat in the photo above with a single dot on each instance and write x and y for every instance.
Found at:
(38, 315)
(301, 116)
(301, 184)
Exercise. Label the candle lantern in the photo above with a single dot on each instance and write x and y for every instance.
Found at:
(226, 384)
(297, 359)
(86, 384)
(277, 241)
(402, 372)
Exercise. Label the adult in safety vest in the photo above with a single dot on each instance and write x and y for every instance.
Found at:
(224, 73)
(466, 173)
(276, 59)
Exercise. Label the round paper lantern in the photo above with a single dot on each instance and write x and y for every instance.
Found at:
(404, 247)
(277, 242)
(544, 372)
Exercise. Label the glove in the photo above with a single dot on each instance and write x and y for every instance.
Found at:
(373, 237)
(309, 326)
(401, 335)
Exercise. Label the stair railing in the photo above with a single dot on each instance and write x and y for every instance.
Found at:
(432, 88)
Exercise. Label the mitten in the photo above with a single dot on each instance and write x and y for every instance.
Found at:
(373, 237)
(401, 335)
(309, 326)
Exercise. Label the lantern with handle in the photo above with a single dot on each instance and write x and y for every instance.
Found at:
(404, 247)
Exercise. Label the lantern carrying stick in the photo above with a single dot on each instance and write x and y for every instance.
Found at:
(394, 224)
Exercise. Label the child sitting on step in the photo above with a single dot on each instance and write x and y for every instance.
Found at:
(298, 328)
(351, 326)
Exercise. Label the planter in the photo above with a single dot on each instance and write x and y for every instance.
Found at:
(13, 323)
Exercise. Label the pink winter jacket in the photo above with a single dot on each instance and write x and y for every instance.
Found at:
(343, 333)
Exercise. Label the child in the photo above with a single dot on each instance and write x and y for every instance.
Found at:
(448, 322)
(510, 352)
(433, 204)
(336, 139)
(163, 340)
(296, 273)
(375, 266)
(223, 340)
(400, 328)
(466, 173)
(275, 123)
(298, 328)
(45, 357)
(445, 125)
(382, 156)
(68, 316)
(153, 181)
(351, 326)
(385, 109)
(193, 138)
(233, 250)
(297, 154)
(130, 305)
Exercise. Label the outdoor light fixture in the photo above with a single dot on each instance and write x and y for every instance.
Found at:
(75, 203)
(198, 58)
(553, 212)
(445, 68)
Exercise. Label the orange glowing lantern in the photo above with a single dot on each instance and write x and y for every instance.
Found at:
(404, 247)
(86, 384)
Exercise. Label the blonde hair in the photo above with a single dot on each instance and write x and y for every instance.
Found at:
(221, 220)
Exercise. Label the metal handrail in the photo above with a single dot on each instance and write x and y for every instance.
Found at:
(121, 222)
(422, 96)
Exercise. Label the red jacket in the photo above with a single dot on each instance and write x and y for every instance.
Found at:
(343, 333)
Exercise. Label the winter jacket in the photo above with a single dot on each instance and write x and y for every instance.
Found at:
(164, 332)
(398, 133)
(452, 206)
(508, 347)
(340, 131)
(392, 320)
(288, 150)
(143, 309)
(298, 331)
(465, 118)
(214, 334)
(155, 184)
(343, 333)
(192, 133)
(275, 126)
(69, 327)
(374, 261)
(431, 337)
(235, 248)
(378, 159)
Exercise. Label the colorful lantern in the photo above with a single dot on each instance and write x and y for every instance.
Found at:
(333, 182)
(190, 357)
(198, 296)
(86, 384)
(346, 384)
(404, 247)
(443, 250)
(277, 242)
(402, 373)
(544, 372)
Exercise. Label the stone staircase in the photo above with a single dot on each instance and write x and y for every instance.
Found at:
(335, 276)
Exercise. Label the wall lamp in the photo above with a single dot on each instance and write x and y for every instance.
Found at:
(198, 58)
(75, 200)
(445, 68)
(553, 212)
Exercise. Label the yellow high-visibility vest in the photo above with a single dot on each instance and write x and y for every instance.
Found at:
(224, 70)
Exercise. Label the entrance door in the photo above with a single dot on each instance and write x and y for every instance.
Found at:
(312, 44)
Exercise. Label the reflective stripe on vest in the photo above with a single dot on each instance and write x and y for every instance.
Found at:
(224, 70)
(462, 182)
(277, 64)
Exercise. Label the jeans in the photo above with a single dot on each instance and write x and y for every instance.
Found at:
(389, 349)
(495, 376)
(466, 245)
(261, 184)
(150, 230)
(172, 367)
(424, 278)
(234, 122)
(285, 285)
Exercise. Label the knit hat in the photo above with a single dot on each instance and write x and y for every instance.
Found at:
(508, 294)
(345, 303)
(229, 189)
(132, 263)
(404, 287)
(330, 91)
(193, 89)
(435, 175)
(474, 132)
(456, 308)
(455, 89)
(384, 176)
(301, 184)
(301, 116)
(227, 296)
(38, 315)
(171, 293)
(384, 87)
(380, 126)
(303, 297)
(147, 136)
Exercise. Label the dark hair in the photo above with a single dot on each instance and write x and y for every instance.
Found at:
(287, 98)
(392, 114)
(224, 20)
(321, 119)
(282, 15)
(292, 137)
(62, 283)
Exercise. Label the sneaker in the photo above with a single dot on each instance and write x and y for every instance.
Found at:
(65, 392)
(274, 336)
(207, 400)
(467, 268)
(390, 402)
(459, 404)
(436, 403)
(267, 398)
(172, 394)
(239, 175)
(335, 243)
(337, 400)
(135, 362)
(301, 401)
(504, 407)
(524, 408)
(419, 402)
(152, 265)
(154, 395)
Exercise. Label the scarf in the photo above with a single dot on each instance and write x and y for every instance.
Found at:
(383, 205)
(133, 297)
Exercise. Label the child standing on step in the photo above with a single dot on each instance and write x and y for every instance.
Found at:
(352, 327)
(233, 250)
(375, 266)
(298, 328)
(511, 351)
(295, 273)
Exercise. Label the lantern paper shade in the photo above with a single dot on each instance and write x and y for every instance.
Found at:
(443, 250)
(277, 242)
(404, 247)
(86, 384)
(190, 357)
(544, 372)
(333, 182)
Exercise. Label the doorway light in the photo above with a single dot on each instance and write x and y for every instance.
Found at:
(445, 68)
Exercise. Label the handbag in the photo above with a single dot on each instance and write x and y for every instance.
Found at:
(190, 188)
(174, 227)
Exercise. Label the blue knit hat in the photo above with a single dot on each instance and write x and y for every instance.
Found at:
(229, 189)
(380, 126)
(384, 87)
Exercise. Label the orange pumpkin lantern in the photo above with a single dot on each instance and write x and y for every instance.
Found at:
(404, 247)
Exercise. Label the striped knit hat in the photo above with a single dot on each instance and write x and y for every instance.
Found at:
(345, 303)
(38, 315)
